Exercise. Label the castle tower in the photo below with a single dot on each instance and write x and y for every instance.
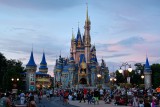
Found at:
(43, 65)
(31, 68)
(93, 63)
(147, 75)
(73, 46)
(72, 70)
(87, 38)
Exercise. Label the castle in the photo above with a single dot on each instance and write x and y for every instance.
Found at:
(82, 68)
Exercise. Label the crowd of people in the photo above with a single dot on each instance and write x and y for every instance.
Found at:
(134, 97)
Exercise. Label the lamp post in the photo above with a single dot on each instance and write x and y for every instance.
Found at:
(142, 76)
(99, 77)
(125, 72)
(14, 81)
(113, 80)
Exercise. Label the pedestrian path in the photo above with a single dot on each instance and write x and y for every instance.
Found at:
(101, 104)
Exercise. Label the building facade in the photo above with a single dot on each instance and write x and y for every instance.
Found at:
(37, 79)
(82, 67)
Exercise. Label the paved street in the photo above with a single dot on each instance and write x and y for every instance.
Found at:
(55, 102)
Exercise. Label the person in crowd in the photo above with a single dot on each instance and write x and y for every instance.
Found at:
(2, 100)
(147, 104)
(22, 98)
(85, 93)
(8, 100)
(39, 95)
(48, 94)
(82, 96)
(51, 93)
(96, 96)
(89, 97)
(101, 93)
(61, 92)
(32, 102)
(141, 103)
(65, 97)
(135, 101)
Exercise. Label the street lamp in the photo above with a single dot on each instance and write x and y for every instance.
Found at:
(99, 77)
(14, 80)
(142, 76)
(129, 70)
(113, 79)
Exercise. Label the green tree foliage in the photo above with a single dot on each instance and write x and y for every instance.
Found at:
(155, 75)
(9, 69)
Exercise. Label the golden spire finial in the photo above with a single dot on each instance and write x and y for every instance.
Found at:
(32, 47)
(73, 35)
(87, 12)
(78, 24)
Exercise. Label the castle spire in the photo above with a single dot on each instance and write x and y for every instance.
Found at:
(31, 61)
(73, 37)
(43, 59)
(87, 19)
(147, 66)
(43, 65)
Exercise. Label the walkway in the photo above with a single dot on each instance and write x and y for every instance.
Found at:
(101, 104)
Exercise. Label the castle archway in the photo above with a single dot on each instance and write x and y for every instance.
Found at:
(83, 81)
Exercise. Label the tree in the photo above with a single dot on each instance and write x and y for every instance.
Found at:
(3, 66)
(155, 75)
(9, 69)
(120, 78)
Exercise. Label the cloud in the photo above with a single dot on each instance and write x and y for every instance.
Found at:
(22, 29)
(126, 43)
(41, 4)
(131, 41)
(117, 55)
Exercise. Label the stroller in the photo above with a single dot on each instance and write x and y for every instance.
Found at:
(107, 100)
(93, 100)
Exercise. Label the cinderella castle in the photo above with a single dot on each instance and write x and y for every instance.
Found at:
(82, 68)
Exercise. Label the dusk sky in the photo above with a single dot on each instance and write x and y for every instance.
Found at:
(122, 30)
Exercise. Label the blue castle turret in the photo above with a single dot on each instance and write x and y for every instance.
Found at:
(31, 62)
(31, 68)
(43, 65)
(147, 75)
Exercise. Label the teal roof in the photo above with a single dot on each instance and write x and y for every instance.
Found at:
(43, 60)
(31, 61)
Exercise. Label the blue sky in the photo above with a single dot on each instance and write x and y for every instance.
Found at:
(122, 30)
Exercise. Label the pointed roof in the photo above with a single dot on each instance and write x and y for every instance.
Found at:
(31, 61)
(78, 36)
(147, 66)
(87, 18)
(43, 60)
